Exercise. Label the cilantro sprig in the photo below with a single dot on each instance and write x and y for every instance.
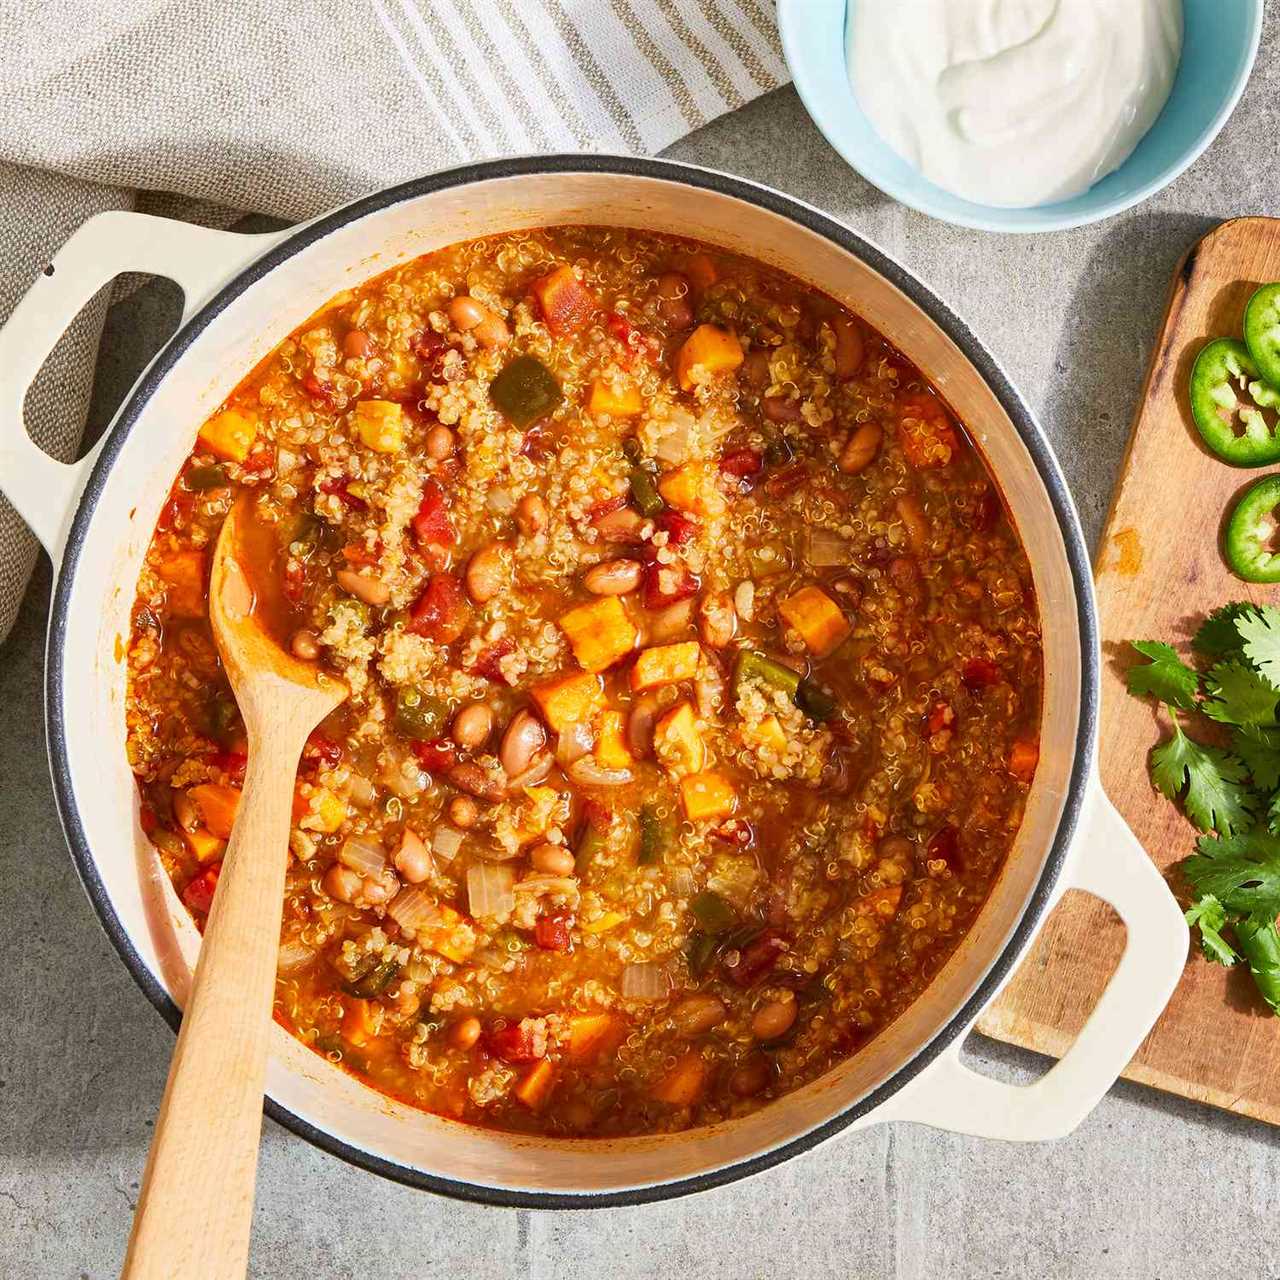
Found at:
(1232, 794)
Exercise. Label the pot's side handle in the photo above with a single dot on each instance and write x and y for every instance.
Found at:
(199, 260)
(1110, 863)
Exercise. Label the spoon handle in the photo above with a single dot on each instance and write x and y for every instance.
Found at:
(196, 1204)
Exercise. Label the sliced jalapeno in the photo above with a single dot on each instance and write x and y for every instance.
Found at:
(419, 715)
(525, 391)
(751, 664)
(712, 912)
(202, 479)
(1227, 399)
(814, 700)
(1251, 530)
(1262, 331)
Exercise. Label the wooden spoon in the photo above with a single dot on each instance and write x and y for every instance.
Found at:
(196, 1205)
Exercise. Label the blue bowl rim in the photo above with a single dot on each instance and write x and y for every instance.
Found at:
(1014, 221)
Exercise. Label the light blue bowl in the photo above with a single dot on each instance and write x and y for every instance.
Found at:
(1218, 51)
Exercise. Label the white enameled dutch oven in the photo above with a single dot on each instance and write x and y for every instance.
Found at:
(243, 294)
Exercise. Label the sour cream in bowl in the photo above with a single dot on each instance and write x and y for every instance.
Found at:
(1014, 103)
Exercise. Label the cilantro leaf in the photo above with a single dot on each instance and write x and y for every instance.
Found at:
(1259, 944)
(1273, 815)
(1218, 636)
(1239, 695)
(1260, 630)
(1165, 677)
(1216, 798)
(1259, 748)
(1242, 872)
(1210, 917)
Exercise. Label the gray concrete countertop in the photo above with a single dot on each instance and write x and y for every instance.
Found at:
(1149, 1186)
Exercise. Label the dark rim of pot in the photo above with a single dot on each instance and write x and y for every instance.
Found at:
(700, 179)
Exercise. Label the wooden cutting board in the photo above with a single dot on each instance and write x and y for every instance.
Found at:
(1159, 571)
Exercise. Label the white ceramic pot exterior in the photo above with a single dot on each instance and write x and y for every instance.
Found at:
(96, 519)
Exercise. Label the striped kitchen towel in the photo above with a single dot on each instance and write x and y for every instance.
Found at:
(197, 108)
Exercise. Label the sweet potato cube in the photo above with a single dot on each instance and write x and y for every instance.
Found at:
(217, 805)
(566, 302)
(701, 271)
(229, 434)
(707, 796)
(617, 402)
(183, 575)
(666, 664)
(319, 810)
(770, 735)
(682, 1086)
(692, 487)
(380, 425)
(677, 742)
(591, 1034)
(570, 700)
(204, 845)
(817, 618)
(708, 350)
(600, 632)
(537, 1084)
(453, 937)
(358, 1025)
(611, 747)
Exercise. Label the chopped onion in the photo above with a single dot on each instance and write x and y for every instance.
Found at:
(670, 623)
(682, 882)
(501, 502)
(644, 982)
(361, 790)
(673, 446)
(362, 855)
(744, 599)
(412, 909)
(293, 956)
(489, 889)
(565, 885)
(446, 841)
(538, 770)
(575, 742)
(826, 549)
(587, 772)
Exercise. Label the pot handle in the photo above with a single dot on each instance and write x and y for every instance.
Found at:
(42, 490)
(1109, 863)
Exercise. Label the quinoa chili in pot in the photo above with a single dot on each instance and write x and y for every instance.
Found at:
(695, 671)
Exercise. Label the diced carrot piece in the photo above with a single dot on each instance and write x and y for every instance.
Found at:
(1024, 755)
(706, 796)
(204, 845)
(573, 699)
(692, 487)
(770, 735)
(617, 402)
(536, 1086)
(666, 664)
(708, 350)
(229, 434)
(380, 424)
(682, 1086)
(677, 742)
(183, 575)
(600, 632)
(611, 747)
(218, 805)
(319, 810)
(453, 937)
(817, 618)
(924, 427)
(879, 902)
(590, 1034)
(566, 302)
(358, 1025)
(701, 271)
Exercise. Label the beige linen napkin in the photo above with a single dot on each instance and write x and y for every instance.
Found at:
(287, 107)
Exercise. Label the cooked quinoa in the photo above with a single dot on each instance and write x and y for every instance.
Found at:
(694, 672)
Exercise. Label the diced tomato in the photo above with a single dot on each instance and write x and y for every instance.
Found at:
(489, 662)
(511, 1041)
(338, 485)
(743, 463)
(620, 327)
(596, 816)
(432, 526)
(944, 845)
(566, 303)
(440, 612)
(358, 553)
(293, 581)
(1024, 755)
(978, 674)
(940, 717)
(322, 749)
(317, 390)
(924, 426)
(430, 348)
(666, 584)
(606, 507)
(260, 462)
(176, 511)
(232, 763)
(552, 933)
(436, 756)
(198, 895)
(786, 480)
(737, 832)
(678, 528)
(633, 342)
(755, 959)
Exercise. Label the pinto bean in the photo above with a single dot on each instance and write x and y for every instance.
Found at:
(524, 737)
(466, 315)
(341, 883)
(673, 300)
(552, 860)
(916, 523)
(695, 1015)
(850, 348)
(717, 620)
(640, 723)
(861, 448)
(774, 1018)
(747, 1079)
(356, 344)
(477, 781)
(488, 572)
(371, 590)
(531, 515)
(472, 726)
(623, 525)
(780, 409)
(465, 1033)
(754, 370)
(441, 443)
(305, 645)
(463, 812)
(613, 577)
